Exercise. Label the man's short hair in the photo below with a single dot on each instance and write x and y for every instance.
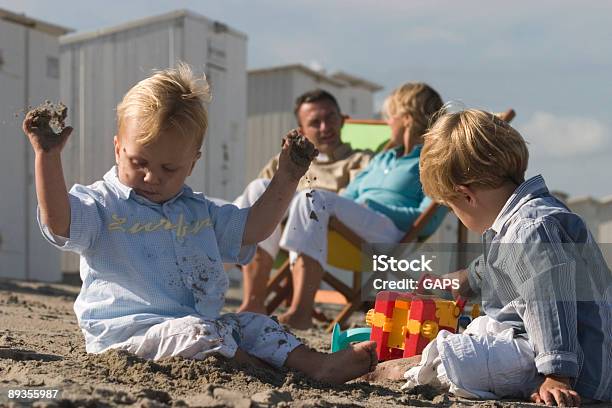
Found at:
(471, 147)
(316, 95)
(169, 99)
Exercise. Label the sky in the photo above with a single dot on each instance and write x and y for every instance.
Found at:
(549, 60)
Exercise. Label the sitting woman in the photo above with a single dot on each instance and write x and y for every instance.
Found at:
(380, 204)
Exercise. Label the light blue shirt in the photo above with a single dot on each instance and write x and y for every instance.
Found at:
(391, 186)
(142, 262)
(543, 273)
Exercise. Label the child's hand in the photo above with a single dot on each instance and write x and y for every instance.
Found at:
(42, 137)
(556, 390)
(465, 289)
(296, 154)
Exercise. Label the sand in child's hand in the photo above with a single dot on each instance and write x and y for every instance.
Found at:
(48, 122)
(301, 150)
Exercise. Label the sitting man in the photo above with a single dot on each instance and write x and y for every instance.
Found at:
(320, 120)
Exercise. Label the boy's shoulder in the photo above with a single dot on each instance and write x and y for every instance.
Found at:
(199, 199)
(105, 190)
(108, 190)
(201, 203)
(545, 218)
(98, 191)
(533, 214)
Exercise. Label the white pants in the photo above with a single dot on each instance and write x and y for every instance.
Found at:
(249, 196)
(304, 234)
(197, 337)
(485, 361)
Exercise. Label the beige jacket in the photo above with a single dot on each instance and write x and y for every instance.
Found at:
(328, 173)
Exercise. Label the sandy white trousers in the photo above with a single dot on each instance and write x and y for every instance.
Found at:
(197, 337)
(306, 233)
(249, 196)
(485, 361)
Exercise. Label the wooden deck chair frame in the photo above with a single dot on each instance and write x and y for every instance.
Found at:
(280, 286)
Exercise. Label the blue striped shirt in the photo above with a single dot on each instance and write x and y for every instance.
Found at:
(542, 272)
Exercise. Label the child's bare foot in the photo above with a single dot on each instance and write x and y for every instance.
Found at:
(392, 369)
(335, 368)
(295, 320)
(348, 364)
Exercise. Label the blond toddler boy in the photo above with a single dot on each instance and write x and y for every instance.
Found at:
(152, 250)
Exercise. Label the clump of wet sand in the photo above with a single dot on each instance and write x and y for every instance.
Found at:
(301, 150)
(48, 122)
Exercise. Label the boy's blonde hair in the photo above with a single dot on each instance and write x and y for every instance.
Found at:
(471, 147)
(416, 99)
(172, 98)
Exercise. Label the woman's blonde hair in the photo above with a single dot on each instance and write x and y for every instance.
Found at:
(471, 147)
(416, 99)
(172, 98)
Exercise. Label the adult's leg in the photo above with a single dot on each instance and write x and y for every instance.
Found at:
(256, 273)
(306, 236)
(307, 274)
(255, 277)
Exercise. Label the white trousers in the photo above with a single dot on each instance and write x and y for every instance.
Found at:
(485, 361)
(249, 196)
(306, 228)
(197, 337)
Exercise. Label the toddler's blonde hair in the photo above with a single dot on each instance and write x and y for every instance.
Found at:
(172, 98)
(471, 147)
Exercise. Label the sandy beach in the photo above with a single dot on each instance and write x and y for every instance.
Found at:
(41, 347)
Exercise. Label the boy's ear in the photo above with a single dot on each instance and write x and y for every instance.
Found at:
(467, 193)
(198, 155)
(117, 147)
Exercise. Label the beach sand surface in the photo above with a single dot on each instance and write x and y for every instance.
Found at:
(41, 347)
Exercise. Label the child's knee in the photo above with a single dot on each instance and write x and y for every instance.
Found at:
(258, 186)
(301, 203)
